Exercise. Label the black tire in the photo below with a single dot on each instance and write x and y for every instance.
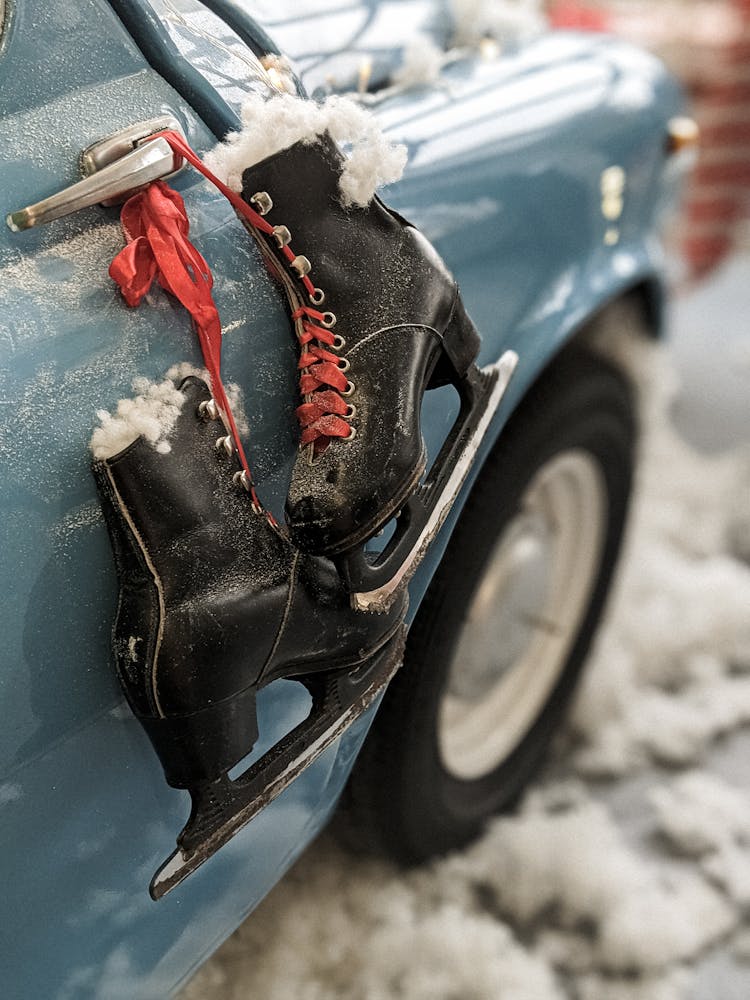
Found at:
(401, 800)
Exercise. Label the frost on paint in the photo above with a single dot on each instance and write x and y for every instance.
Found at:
(279, 122)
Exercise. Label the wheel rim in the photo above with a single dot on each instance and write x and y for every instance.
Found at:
(524, 616)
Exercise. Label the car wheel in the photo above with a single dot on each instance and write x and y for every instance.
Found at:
(501, 636)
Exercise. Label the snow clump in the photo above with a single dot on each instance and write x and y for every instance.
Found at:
(421, 63)
(276, 123)
(508, 21)
(151, 415)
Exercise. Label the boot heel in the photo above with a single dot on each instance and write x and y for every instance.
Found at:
(460, 343)
(206, 744)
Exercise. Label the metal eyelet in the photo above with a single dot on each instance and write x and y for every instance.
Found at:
(208, 410)
(301, 265)
(262, 201)
(329, 320)
(351, 412)
(257, 507)
(242, 479)
(226, 443)
(349, 389)
(338, 342)
(282, 235)
(343, 364)
(317, 296)
(352, 434)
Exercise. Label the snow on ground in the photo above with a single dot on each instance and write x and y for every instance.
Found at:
(625, 875)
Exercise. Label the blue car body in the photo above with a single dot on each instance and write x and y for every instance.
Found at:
(504, 175)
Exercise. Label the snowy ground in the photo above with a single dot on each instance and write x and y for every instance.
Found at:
(626, 875)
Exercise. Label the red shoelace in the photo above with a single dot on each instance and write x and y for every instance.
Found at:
(156, 227)
(321, 383)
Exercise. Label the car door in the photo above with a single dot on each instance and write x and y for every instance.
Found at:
(85, 814)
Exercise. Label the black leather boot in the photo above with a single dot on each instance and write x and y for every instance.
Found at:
(214, 604)
(379, 320)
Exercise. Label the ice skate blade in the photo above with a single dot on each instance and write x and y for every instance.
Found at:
(426, 510)
(225, 806)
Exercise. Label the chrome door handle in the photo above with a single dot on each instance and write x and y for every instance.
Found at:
(108, 184)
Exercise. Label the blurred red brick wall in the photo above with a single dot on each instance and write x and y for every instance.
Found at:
(707, 44)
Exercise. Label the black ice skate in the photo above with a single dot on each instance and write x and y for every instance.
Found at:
(393, 326)
(214, 604)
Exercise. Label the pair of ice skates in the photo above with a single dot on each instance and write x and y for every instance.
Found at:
(216, 600)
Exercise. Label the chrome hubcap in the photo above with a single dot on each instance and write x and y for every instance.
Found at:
(525, 614)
